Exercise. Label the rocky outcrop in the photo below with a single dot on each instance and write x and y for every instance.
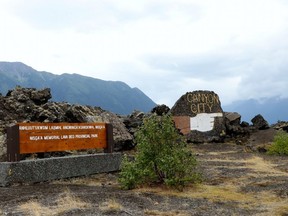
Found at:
(199, 116)
(234, 127)
(281, 125)
(32, 105)
(233, 118)
(133, 121)
(160, 110)
(259, 122)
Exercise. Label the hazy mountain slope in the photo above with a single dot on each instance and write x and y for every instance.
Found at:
(272, 109)
(114, 96)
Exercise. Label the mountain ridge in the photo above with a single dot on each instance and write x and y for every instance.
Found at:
(114, 96)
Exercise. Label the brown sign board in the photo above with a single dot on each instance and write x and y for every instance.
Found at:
(50, 137)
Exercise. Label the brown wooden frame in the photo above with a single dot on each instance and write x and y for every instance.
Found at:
(24, 138)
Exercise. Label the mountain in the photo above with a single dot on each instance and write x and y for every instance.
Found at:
(114, 96)
(272, 109)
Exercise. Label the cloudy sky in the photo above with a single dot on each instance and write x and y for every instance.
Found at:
(237, 48)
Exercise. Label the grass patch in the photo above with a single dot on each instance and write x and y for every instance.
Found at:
(221, 153)
(64, 203)
(67, 201)
(255, 163)
(279, 209)
(260, 165)
(34, 208)
(210, 192)
(165, 213)
(226, 193)
(111, 206)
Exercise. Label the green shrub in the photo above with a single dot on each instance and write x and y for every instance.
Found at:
(162, 157)
(280, 144)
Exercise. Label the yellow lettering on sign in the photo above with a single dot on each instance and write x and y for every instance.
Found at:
(194, 109)
(202, 102)
(210, 105)
(201, 108)
(189, 98)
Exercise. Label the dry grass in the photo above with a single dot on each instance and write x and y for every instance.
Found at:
(220, 152)
(260, 165)
(164, 213)
(110, 206)
(35, 208)
(279, 208)
(94, 180)
(268, 201)
(256, 164)
(65, 202)
(68, 201)
(210, 192)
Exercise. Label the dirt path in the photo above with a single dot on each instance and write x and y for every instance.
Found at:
(236, 183)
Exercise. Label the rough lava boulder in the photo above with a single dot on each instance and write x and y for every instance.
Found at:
(160, 110)
(259, 122)
(235, 128)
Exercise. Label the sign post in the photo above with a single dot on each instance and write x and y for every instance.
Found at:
(13, 152)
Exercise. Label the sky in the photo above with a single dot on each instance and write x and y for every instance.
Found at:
(236, 48)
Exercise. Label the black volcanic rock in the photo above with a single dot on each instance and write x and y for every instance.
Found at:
(233, 118)
(281, 125)
(41, 96)
(259, 122)
(234, 127)
(160, 109)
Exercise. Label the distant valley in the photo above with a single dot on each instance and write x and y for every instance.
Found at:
(114, 96)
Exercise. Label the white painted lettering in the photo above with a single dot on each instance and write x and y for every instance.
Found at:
(82, 136)
(94, 135)
(64, 137)
(51, 137)
(55, 127)
(35, 138)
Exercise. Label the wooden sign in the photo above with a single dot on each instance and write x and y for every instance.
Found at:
(50, 137)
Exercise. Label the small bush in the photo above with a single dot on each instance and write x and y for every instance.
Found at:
(280, 144)
(162, 157)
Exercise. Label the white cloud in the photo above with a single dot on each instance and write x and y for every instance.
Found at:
(165, 47)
